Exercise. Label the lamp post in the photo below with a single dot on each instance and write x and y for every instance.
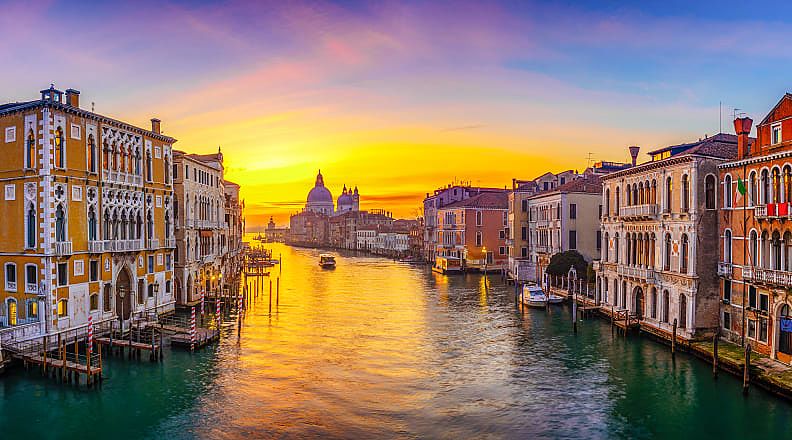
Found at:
(122, 295)
(156, 297)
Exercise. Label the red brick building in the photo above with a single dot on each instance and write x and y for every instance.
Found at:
(756, 252)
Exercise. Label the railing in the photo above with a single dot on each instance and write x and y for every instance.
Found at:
(11, 286)
(63, 248)
(152, 243)
(544, 249)
(768, 276)
(640, 211)
(643, 273)
(725, 269)
(773, 210)
(95, 246)
(31, 288)
(170, 242)
(121, 177)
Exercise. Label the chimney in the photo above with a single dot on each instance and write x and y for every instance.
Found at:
(73, 98)
(634, 154)
(742, 126)
(155, 125)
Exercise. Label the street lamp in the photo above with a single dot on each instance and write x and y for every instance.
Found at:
(156, 296)
(122, 295)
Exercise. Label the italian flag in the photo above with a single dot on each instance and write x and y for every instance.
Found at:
(740, 188)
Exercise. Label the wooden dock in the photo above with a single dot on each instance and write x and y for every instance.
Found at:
(203, 337)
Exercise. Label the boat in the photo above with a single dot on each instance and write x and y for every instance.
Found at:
(446, 265)
(327, 261)
(533, 296)
(555, 299)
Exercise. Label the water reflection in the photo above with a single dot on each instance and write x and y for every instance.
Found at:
(380, 349)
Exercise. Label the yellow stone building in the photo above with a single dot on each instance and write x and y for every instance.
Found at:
(86, 213)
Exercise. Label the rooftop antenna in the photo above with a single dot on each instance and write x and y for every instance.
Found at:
(93, 104)
(588, 160)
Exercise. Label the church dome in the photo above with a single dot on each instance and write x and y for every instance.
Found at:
(319, 193)
(345, 198)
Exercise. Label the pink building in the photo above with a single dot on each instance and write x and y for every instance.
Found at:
(475, 230)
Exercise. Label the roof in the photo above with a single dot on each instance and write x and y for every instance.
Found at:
(588, 184)
(20, 106)
(485, 200)
(720, 146)
(772, 110)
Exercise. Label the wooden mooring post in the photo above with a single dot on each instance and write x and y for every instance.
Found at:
(715, 354)
(746, 368)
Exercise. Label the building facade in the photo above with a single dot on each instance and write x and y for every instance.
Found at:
(756, 253)
(474, 230)
(88, 217)
(660, 241)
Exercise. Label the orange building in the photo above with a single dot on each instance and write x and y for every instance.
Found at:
(475, 230)
(756, 253)
(87, 224)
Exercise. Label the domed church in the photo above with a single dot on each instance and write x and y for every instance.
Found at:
(321, 200)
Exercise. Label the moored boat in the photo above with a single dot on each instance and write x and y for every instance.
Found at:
(446, 265)
(533, 296)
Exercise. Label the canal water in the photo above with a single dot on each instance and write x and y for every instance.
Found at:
(381, 349)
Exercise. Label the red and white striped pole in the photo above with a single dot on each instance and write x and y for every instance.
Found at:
(90, 337)
(202, 302)
(217, 312)
(192, 329)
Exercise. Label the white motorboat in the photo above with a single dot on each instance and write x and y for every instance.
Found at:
(533, 296)
(555, 299)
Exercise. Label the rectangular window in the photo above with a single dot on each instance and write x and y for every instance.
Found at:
(524, 205)
(151, 264)
(63, 308)
(524, 233)
(10, 134)
(727, 320)
(151, 291)
(572, 239)
(168, 259)
(600, 210)
(10, 276)
(95, 301)
(764, 302)
(752, 297)
(572, 211)
(75, 132)
(31, 278)
(752, 329)
(175, 171)
(502, 250)
(524, 251)
(501, 234)
(93, 268)
(763, 329)
(599, 239)
(775, 134)
(727, 290)
(63, 274)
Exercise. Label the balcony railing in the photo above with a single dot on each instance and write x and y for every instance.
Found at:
(725, 269)
(773, 211)
(95, 246)
(63, 248)
(31, 288)
(768, 276)
(643, 273)
(152, 243)
(647, 211)
(121, 177)
(11, 286)
(170, 242)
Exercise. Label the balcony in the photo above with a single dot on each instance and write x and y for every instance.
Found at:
(725, 269)
(95, 246)
(770, 211)
(170, 242)
(769, 277)
(63, 248)
(152, 243)
(113, 176)
(639, 273)
(31, 288)
(11, 286)
(640, 212)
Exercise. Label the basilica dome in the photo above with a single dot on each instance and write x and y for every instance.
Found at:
(319, 197)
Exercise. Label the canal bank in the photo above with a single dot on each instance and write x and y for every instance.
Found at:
(381, 349)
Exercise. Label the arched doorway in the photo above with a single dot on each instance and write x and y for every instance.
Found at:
(124, 294)
(785, 334)
(638, 302)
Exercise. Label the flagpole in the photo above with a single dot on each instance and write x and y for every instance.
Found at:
(745, 247)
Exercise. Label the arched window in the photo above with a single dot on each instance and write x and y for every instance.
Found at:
(479, 218)
(668, 192)
(107, 305)
(752, 200)
(30, 151)
(12, 312)
(727, 246)
(167, 226)
(787, 183)
(683, 261)
(167, 170)
(654, 303)
(32, 309)
(478, 239)
(776, 197)
(605, 248)
(754, 248)
(667, 253)
(30, 233)
(682, 311)
(91, 154)
(63, 308)
(653, 196)
(149, 168)
(92, 225)
(60, 224)
(776, 251)
(628, 193)
(617, 201)
(727, 192)
(709, 191)
(685, 193)
(607, 202)
(616, 247)
(60, 148)
(765, 183)
(666, 305)
(149, 226)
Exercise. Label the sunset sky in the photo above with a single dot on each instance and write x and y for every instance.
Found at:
(400, 98)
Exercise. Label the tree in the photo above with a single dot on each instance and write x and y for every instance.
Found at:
(561, 262)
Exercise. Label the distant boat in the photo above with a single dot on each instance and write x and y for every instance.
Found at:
(327, 261)
(555, 299)
(533, 296)
(446, 265)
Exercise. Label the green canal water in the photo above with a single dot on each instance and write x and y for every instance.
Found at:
(380, 349)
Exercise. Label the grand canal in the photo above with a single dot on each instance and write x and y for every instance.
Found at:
(379, 349)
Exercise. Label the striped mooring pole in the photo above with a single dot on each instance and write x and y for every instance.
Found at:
(203, 294)
(192, 328)
(90, 337)
(217, 313)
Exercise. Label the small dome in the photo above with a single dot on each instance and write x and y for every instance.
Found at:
(320, 194)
